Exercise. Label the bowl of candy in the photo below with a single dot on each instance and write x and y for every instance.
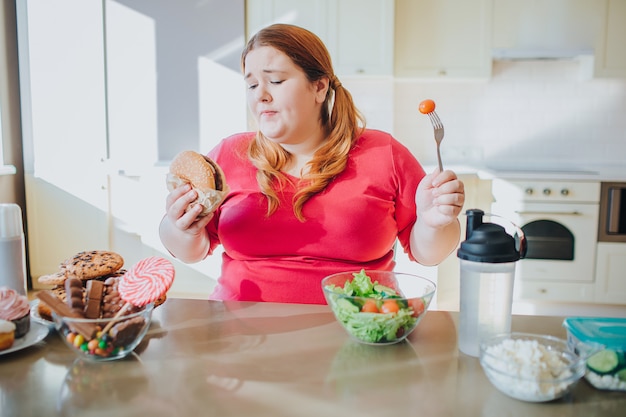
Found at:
(101, 327)
(378, 307)
(104, 339)
(531, 367)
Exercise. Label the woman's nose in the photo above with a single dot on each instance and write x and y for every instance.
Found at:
(261, 93)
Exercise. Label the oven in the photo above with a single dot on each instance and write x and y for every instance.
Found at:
(560, 222)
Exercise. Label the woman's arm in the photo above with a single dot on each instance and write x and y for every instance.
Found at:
(436, 233)
(182, 233)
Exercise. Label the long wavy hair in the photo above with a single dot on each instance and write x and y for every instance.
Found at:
(340, 119)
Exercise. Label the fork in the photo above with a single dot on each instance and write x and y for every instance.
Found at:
(438, 128)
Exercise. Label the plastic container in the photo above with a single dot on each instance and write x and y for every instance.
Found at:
(602, 342)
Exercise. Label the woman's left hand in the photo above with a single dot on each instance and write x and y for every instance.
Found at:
(440, 197)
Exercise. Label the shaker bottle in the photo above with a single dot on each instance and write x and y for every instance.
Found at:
(12, 248)
(487, 262)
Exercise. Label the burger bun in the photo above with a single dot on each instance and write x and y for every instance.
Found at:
(204, 176)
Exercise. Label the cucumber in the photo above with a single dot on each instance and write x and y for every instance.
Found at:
(621, 375)
(346, 305)
(603, 362)
(384, 290)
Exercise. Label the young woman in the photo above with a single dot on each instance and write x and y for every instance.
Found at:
(312, 192)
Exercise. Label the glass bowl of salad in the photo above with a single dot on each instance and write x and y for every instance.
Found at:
(378, 307)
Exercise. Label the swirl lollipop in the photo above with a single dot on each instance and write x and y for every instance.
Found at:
(145, 282)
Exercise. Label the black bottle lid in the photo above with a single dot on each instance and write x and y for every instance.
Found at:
(486, 242)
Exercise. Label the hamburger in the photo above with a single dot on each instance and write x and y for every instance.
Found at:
(204, 176)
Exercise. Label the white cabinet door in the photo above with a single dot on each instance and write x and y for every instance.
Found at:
(444, 38)
(610, 278)
(61, 56)
(310, 15)
(361, 37)
(357, 33)
(556, 26)
(611, 49)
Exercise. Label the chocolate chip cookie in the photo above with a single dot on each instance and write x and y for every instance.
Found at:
(92, 264)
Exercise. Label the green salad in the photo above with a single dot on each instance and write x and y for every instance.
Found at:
(381, 316)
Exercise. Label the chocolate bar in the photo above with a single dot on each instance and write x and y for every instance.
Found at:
(95, 291)
(88, 330)
(74, 295)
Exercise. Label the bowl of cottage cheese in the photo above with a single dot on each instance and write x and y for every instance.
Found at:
(531, 367)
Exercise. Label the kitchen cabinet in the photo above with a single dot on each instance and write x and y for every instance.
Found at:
(550, 28)
(610, 57)
(357, 33)
(610, 279)
(563, 29)
(443, 39)
(308, 14)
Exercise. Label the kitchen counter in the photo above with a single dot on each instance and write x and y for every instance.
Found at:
(204, 358)
(604, 173)
(608, 173)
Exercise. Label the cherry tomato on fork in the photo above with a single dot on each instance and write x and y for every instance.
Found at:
(427, 106)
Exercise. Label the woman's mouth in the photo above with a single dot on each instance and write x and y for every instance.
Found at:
(268, 113)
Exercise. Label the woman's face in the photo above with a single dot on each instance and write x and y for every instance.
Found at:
(285, 104)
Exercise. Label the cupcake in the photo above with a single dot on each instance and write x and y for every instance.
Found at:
(14, 307)
(7, 334)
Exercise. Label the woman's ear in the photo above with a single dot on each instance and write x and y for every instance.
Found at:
(321, 87)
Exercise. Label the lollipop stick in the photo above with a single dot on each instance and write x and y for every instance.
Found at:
(114, 319)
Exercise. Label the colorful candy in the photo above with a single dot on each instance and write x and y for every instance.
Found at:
(101, 346)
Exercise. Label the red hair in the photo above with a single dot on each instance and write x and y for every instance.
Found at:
(339, 117)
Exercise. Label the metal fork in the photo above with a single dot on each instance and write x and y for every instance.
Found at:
(438, 127)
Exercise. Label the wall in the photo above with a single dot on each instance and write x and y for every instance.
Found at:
(530, 113)
(11, 186)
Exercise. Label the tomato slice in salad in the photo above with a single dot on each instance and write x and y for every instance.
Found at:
(370, 306)
(417, 305)
(390, 306)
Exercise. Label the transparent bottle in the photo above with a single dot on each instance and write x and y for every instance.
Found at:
(12, 248)
(487, 267)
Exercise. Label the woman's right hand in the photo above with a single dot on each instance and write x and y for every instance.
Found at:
(183, 216)
(182, 232)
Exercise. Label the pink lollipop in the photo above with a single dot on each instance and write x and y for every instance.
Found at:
(146, 281)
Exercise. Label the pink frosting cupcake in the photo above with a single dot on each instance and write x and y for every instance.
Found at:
(14, 307)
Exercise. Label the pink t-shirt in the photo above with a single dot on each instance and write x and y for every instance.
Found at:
(352, 224)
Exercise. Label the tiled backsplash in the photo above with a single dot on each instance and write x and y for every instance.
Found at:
(530, 114)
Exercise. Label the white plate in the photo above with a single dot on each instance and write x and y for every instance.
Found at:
(36, 334)
(34, 314)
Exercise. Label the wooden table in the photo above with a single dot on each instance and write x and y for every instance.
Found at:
(206, 358)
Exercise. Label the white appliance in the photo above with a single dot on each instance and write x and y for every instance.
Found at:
(560, 222)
